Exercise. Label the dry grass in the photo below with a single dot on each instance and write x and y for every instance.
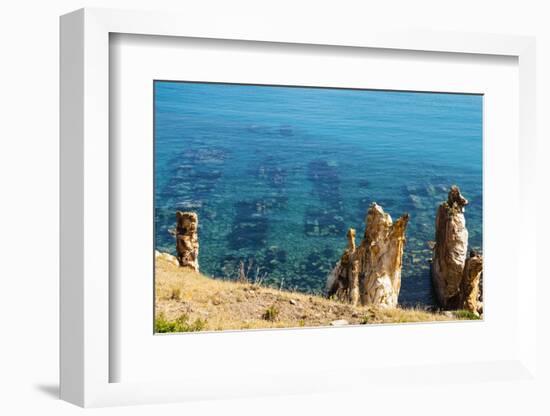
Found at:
(222, 305)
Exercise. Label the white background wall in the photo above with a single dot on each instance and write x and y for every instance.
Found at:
(29, 57)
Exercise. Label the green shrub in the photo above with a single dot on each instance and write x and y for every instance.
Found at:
(198, 325)
(271, 313)
(180, 324)
(464, 314)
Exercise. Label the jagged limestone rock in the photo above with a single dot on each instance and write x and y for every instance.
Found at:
(480, 296)
(167, 257)
(351, 240)
(187, 240)
(380, 257)
(354, 295)
(449, 253)
(333, 281)
(371, 273)
(343, 282)
(470, 286)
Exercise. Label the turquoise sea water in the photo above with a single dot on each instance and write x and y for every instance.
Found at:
(278, 174)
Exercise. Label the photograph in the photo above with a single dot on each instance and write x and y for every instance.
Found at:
(295, 206)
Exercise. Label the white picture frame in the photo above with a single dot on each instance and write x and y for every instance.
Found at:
(86, 353)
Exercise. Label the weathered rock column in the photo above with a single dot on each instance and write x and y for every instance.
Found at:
(187, 240)
(344, 278)
(380, 256)
(371, 273)
(355, 294)
(470, 287)
(449, 253)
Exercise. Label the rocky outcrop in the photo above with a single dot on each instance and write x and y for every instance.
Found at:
(449, 253)
(187, 240)
(343, 282)
(471, 283)
(371, 273)
(456, 276)
(381, 256)
(480, 297)
(166, 257)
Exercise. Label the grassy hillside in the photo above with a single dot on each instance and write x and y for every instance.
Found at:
(189, 301)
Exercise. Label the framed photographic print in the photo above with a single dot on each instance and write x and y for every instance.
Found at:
(265, 181)
(269, 211)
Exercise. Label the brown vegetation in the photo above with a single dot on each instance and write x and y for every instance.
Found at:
(189, 301)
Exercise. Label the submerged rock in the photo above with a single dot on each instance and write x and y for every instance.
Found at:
(323, 222)
(371, 273)
(250, 225)
(286, 130)
(187, 241)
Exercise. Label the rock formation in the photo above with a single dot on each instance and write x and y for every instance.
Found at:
(187, 241)
(371, 272)
(471, 283)
(166, 257)
(480, 297)
(449, 253)
(343, 282)
(456, 278)
(381, 256)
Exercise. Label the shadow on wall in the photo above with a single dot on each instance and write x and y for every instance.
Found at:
(51, 390)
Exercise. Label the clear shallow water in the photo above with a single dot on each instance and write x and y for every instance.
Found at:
(278, 174)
